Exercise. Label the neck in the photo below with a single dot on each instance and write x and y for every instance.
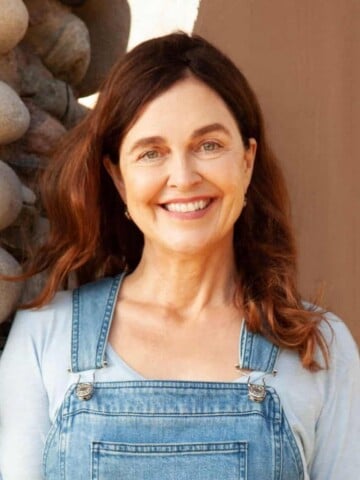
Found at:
(184, 283)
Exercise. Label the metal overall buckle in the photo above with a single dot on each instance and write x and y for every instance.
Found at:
(256, 392)
(85, 390)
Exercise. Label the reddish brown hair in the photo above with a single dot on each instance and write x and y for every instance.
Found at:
(90, 236)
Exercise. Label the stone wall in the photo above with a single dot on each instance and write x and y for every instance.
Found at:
(50, 54)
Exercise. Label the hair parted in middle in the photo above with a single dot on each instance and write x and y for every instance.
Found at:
(89, 233)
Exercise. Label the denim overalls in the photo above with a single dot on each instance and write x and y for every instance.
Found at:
(165, 430)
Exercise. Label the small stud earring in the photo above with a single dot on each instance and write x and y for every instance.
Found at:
(245, 201)
(127, 213)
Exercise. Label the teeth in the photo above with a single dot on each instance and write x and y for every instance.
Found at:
(187, 207)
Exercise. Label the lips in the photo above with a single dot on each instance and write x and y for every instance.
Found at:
(185, 207)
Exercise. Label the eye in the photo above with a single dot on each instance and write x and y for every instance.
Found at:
(209, 149)
(210, 146)
(149, 155)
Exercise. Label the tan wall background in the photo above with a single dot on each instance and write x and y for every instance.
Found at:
(302, 58)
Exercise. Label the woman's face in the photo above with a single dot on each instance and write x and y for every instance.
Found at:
(184, 170)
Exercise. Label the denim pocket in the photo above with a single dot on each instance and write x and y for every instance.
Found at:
(169, 461)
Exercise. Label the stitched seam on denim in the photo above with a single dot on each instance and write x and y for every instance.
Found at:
(63, 436)
(171, 447)
(243, 460)
(174, 384)
(272, 358)
(56, 426)
(246, 347)
(276, 406)
(295, 451)
(165, 415)
(284, 427)
(277, 438)
(109, 310)
(53, 430)
(240, 347)
(94, 459)
(75, 331)
(62, 454)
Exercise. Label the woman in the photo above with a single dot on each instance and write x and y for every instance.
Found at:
(187, 351)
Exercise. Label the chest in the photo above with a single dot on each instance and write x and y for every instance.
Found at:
(164, 350)
(166, 429)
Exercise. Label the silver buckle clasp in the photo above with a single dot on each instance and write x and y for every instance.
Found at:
(256, 392)
(85, 390)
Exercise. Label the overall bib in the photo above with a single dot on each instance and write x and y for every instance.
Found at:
(165, 430)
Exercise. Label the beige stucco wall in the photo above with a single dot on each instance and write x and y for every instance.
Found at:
(302, 59)
(160, 17)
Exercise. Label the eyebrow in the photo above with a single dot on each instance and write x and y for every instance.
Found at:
(213, 127)
(143, 142)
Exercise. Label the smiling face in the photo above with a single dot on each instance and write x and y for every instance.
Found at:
(184, 170)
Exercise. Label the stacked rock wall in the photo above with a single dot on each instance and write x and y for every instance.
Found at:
(45, 54)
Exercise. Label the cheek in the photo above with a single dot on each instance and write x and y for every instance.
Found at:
(141, 187)
(230, 177)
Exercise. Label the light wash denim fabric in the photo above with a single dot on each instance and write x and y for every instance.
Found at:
(165, 430)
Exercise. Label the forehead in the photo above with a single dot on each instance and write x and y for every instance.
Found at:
(185, 107)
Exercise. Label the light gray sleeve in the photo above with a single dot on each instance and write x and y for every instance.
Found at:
(24, 420)
(337, 444)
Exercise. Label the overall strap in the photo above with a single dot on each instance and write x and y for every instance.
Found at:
(256, 352)
(93, 307)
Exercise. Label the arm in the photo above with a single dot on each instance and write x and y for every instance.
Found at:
(24, 420)
(337, 447)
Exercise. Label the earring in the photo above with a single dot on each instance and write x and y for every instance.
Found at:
(245, 201)
(127, 213)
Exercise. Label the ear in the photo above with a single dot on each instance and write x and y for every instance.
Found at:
(115, 173)
(249, 160)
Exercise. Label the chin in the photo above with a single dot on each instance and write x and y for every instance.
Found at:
(190, 247)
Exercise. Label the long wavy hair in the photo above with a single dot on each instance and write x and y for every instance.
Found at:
(89, 234)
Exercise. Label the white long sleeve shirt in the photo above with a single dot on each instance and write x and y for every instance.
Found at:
(322, 408)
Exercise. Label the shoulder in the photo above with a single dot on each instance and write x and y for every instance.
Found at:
(344, 353)
(56, 315)
(34, 331)
(36, 320)
(38, 344)
(321, 388)
(338, 387)
(341, 344)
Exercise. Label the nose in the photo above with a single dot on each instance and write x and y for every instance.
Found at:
(183, 172)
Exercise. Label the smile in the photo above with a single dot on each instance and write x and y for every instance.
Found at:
(187, 207)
